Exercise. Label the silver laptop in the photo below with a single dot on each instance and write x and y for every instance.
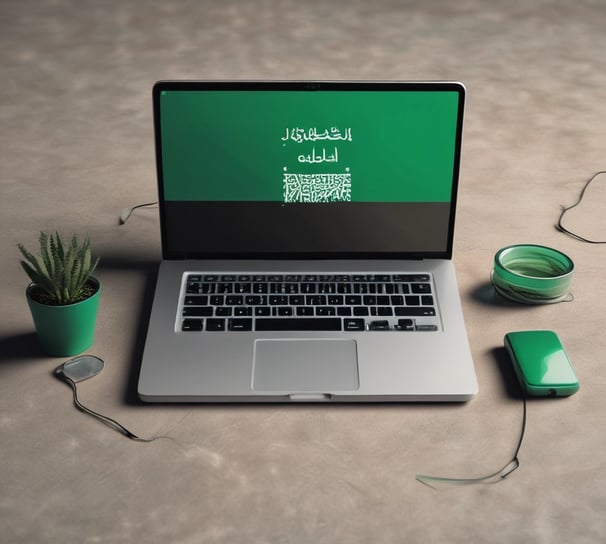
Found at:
(307, 235)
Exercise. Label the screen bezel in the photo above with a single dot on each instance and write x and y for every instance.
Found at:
(169, 252)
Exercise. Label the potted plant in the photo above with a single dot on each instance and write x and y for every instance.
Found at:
(64, 296)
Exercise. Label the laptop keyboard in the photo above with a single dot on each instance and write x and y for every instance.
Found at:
(307, 302)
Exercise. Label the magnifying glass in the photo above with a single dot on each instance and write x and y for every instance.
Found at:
(82, 368)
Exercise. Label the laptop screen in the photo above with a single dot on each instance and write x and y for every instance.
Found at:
(307, 169)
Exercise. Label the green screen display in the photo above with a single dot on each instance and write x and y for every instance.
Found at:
(300, 146)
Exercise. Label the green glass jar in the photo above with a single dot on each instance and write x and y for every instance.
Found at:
(532, 274)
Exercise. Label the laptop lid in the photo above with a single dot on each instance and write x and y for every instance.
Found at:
(307, 169)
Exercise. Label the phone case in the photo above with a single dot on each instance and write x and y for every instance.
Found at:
(541, 363)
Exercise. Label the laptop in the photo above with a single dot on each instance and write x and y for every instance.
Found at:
(307, 235)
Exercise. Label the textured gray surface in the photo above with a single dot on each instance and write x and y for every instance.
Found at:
(76, 146)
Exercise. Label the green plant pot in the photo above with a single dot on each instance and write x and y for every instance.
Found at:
(65, 330)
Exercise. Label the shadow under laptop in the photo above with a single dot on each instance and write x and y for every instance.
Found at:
(140, 333)
(146, 265)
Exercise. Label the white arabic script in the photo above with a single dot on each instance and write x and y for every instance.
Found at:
(317, 187)
(314, 158)
(299, 135)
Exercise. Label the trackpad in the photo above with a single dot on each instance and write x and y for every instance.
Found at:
(305, 365)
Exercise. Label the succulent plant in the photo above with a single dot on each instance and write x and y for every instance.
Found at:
(60, 270)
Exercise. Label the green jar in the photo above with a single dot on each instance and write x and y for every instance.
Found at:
(532, 274)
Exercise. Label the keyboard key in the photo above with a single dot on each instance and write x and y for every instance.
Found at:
(397, 300)
(327, 288)
(215, 324)
(242, 288)
(406, 325)
(382, 325)
(292, 288)
(414, 311)
(191, 325)
(316, 300)
(196, 300)
(223, 288)
(240, 324)
(299, 324)
(296, 300)
(353, 324)
(419, 288)
(197, 311)
(255, 300)
(193, 287)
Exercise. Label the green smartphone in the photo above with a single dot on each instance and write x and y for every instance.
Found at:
(541, 363)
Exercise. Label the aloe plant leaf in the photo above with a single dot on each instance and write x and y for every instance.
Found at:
(60, 269)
